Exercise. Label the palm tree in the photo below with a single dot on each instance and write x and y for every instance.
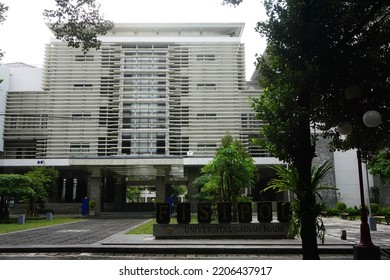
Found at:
(288, 181)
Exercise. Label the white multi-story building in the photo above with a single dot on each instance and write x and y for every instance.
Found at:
(148, 110)
(23, 100)
(151, 90)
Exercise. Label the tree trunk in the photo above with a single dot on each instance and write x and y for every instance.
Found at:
(234, 207)
(307, 204)
(308, 232)
(32, 209)
(303, 159)
(4, 211)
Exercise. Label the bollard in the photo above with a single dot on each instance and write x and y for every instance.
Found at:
(21, 219)
(343, 234)
(372, 223)
(49, 216)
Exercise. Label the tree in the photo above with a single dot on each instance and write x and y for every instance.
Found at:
(12, 186)
(3, 10)
(207, 191)
(231, 170)
(44, 181)
(78, 22)
(232, 2)
(380, 164)
(133, 194)
(175, 191)
(316, 50)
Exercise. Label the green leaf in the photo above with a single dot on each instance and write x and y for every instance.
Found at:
(78, 22)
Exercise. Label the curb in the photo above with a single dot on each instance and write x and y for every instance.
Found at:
(164, 249)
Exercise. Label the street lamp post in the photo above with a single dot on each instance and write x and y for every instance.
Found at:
(365, 249)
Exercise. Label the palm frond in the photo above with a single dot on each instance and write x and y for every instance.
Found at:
(319, 172)
(288, 180)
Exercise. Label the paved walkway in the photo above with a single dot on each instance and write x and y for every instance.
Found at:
(83, 232)
(380, 237)
(107, 236)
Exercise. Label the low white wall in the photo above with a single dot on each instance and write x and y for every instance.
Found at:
(347, 179)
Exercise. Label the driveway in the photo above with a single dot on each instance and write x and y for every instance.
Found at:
(86, 231)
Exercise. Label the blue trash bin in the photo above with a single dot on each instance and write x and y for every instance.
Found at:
(85, 206)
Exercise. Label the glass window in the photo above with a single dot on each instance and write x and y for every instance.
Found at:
(79, 148)
(82, 57)
(205, 57)
(82, 87)
(206, 87)
(81, 117)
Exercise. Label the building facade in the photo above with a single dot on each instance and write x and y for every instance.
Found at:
(146, 110)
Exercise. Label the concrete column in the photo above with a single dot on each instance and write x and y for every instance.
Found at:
(160, 189)
(119, 193)
(95, 188)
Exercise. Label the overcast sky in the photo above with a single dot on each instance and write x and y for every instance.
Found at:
(24, 34)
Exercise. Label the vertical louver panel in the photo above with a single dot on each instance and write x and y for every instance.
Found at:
(154, 91)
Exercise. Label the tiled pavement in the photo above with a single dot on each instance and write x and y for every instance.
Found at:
(380, 237)
(83, 232)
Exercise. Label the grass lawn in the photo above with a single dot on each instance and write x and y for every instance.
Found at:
(4, 228)
(147, 228)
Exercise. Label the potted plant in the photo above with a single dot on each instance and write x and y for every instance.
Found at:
(92, 204)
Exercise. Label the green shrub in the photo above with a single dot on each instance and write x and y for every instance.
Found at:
(383, 211)
(92, 204)
(341, 206)
(333, 212)
(375, 208)
(352, 211)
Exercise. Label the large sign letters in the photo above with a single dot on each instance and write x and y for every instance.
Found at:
(163, 215)
(204, 213)
(183, 213)
(264, 212)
